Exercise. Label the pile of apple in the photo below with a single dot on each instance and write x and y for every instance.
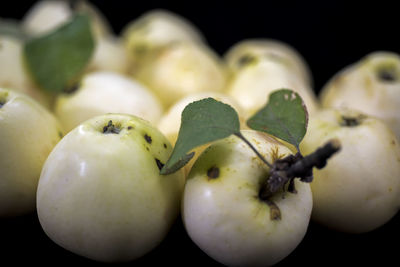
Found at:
(93, 154)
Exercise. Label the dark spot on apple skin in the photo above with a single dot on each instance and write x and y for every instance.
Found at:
(160, 165)
(148, 138)
(393, 142)
(110, 128)
(147, 148)
(165, 145)
(213, 172)
(130, 128)
(60, 134)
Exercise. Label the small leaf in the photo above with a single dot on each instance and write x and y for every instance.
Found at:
(55, 60)
(202, 122)
(284, 116)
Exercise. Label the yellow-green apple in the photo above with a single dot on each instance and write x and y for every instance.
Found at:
(14, 74)
(248, 50)
(46, 15)
(180, 69)
(100, 194)
(28, 134)
(359, 190)
(109, 55)
(224, 214)
(106, 92)
(252, 85)
(154, 29)
(371, 85)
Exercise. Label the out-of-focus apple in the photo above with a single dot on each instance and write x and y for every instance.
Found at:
(13, 73)
(106, 92)
(28, 134)
(359, 190)
(256, 49)
(180, 69)
(155, 29)
(371, 85)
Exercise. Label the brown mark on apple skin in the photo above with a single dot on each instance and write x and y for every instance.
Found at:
(213, 172)
(130, 127)
(165, 145)
(160, 165)
(148, 138)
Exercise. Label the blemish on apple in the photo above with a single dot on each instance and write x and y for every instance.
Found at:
(148, 138)
(213, 172)
(160, 165)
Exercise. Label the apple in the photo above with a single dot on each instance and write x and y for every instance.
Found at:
(109, 55)
(223, 213)
(13, 73)
(252, 84)
(28, 134)
(359, 190)
(154, 29)
(106, 92)
(100, 194)
(46, 15)
(247, 50)
(371, 85)
(180, 69)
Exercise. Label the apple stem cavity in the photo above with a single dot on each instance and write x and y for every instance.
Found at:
(111, 128)
(348, 121)
(387, 74)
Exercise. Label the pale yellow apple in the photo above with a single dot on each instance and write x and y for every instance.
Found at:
(109, 55)
(248, 50)
(154, 29)
(183, 68)
(252, 85)
(359, 190)
(13, 73)
(46, 15)
(222, 211)
(28, 134)
(371, 85)
(100, 194)
(106, 92)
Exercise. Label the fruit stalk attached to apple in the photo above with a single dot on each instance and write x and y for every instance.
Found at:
(233, 205)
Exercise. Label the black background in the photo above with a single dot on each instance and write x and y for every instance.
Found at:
(329, 34)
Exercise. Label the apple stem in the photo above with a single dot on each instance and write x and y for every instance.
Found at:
(285, 170)
(238, 134)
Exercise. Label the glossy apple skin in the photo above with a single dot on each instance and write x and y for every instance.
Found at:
(359, 190)
(28, 134)
(101, 195)
(225, 217)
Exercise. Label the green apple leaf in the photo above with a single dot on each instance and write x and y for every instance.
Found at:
(55, 60)
(285, 116)
(202, 122)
